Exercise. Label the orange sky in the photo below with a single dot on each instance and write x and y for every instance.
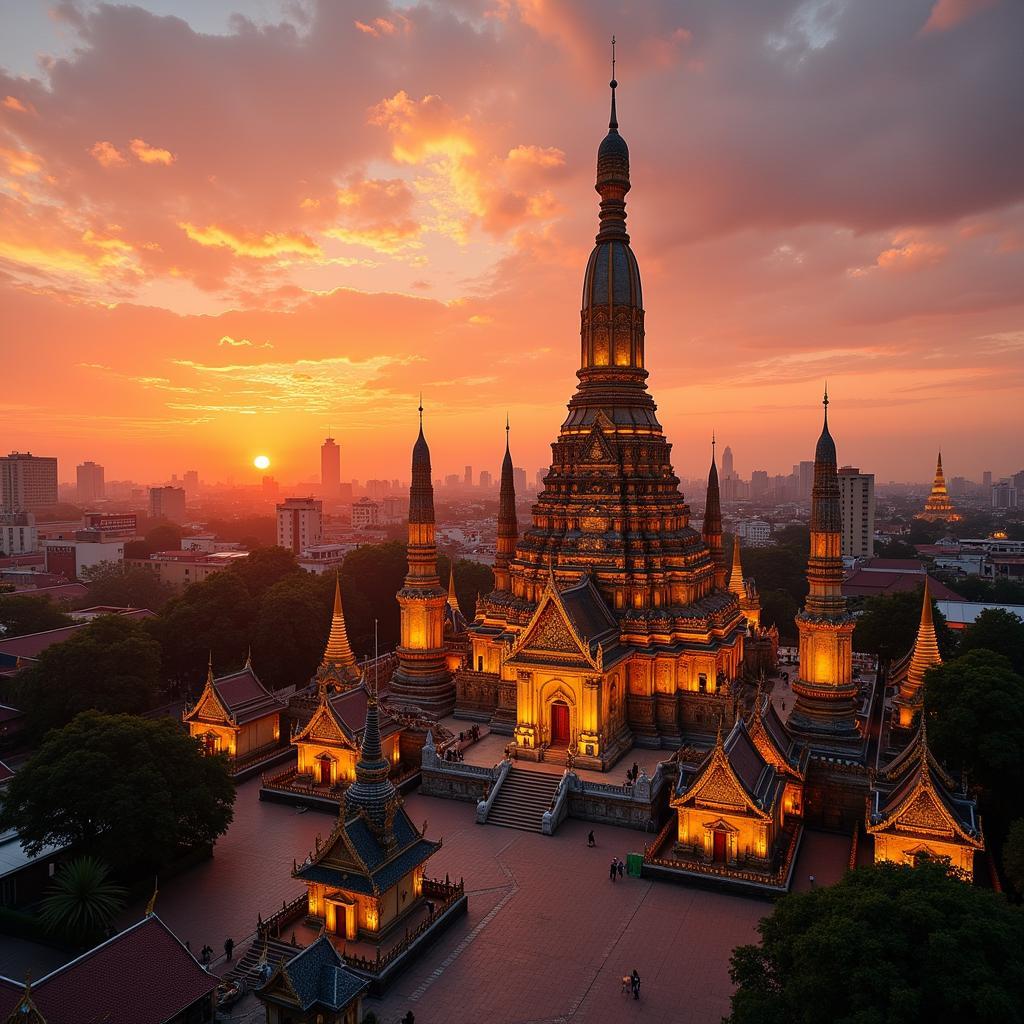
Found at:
(221, 233)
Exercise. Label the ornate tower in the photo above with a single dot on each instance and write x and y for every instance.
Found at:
(925, 655)
(744, 589)
(338, 669)
(826, 692)
(422, 676)
(938, 507)
(373, 793)
(712, 528)
(508, 527)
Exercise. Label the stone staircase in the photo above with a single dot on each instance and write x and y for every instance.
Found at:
(247, 966)
(523, 798)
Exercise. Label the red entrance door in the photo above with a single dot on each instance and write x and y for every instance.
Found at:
(559, 724)
(325, 772)
(719, 846)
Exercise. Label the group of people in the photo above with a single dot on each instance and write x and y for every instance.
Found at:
(454, 754)
(617, 869)
(632, 774)
(631, 983)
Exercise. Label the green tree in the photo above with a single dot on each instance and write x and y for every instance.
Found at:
(975, 708)
(377, 572)
(133, 791)
(996, 629)
(82, 903)
(888, 944)
(111, 664)
(471, 578)
(778, 567)
(263, 568)
(1000, 591)
(21, 614)
(1013, 856)
(125, 587)
(779, 608)
(888, 625)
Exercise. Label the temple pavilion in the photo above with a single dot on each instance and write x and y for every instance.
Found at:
(235, 715)
(938, 507)
(368, 874)
(915, 810)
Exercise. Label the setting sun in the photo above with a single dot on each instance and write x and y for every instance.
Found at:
(261, 462)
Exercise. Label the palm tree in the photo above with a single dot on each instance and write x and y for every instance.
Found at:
(81, 904)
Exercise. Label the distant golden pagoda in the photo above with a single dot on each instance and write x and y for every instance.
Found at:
(938, 507)
(338, 669)
(909, 675)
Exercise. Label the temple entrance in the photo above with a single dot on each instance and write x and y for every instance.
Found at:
(210, 742)
(559, 724)
(720, 842)
(325, 771)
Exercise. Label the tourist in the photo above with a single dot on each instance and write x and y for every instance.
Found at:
(621, 867)
(409, 1018)
(229, 948)
(590, 838)
(614, 869)
(635, 976)
(636, 771)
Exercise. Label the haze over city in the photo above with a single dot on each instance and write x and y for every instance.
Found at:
(268, 234)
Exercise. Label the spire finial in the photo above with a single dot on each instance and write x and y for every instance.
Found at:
(712, 446)
(421, 411)
(508, 427)
(613, 123)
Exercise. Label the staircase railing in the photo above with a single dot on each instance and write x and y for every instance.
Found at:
(556, 814)
(483, 807)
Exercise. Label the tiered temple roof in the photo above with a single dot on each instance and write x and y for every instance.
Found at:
(234, 699)
(341, 718)
(938, 507)
(908, 674)
(338, 667)
(314, 978)
(773, 741)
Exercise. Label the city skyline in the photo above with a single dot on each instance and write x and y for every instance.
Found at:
(417, 228)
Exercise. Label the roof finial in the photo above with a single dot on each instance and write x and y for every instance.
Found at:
(613, 124)
(421, 412)
(712, 446)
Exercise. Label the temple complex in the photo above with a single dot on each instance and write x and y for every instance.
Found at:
(367, 876)
(235, 715)
(423, 677)
(609, 623)
(915, 810)
(908, 674)
(825, 711)
(338, 670)
(938, 507)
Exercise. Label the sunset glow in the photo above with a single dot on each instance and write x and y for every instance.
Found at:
(261, 462)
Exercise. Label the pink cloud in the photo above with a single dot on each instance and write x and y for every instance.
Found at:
(947, 14)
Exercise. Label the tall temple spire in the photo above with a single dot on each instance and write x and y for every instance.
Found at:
(373, 793)
(508, 526)
(422, 675)
(711, 530)
(938, 507)
(825, 689)
(736, 576)
(924, 656)
(453, 600)
(338, 667)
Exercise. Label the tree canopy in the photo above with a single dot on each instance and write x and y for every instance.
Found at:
(132, 791)
(125, 587)
(996, 629)
(111, 664)
(888, 625)
(888, 944)
(975, 709)
(23, 613)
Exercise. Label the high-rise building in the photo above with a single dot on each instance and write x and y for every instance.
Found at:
(986, 480)
(727, 469)
(806, 473)
(18, 533)
(300, 523)
(27, 482)
(90, 482)
(519, 476)
(857, 499)
(758, 485)
(167, 503)
(191, 481)
(486, 480)
(330, 468)
(467, 476)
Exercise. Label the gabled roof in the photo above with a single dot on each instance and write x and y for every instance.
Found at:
(143, 975)
(30, 646)
(341, 719)
(236, 698)
(316, 976)
(915, 795)
(774, 743)
(733, 774)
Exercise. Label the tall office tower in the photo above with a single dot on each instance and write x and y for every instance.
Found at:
(191, 481)
(330, 468)
(90, 482)
(486, 480)
(27, 482)
(519, 476)
(167, 503)
(759, 485)
(300, 523)
(727, 470)
(806, 480)
(467, 476)
(986, 480)
(857, 498)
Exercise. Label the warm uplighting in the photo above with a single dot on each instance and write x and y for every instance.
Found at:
(261, 462)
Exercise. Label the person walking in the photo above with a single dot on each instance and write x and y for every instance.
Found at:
(635, 976)
(229, 948)
(621, 867)
(614, 869)
(590, 838)
(409, 1018)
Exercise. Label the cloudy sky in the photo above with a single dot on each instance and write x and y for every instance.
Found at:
(226, 226)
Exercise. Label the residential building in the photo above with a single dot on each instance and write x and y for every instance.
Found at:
(18, 533)
(857, 497)
(519, 475)
(71, 558)
(758, 485)
(321, 558)
(90, 482)
(167, 503)
(300, 523)
(365, 513)
(27, 482)
(487, 481)
(180, 568)
(191, 481)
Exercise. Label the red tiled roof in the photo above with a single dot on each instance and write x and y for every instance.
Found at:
(31, 645)
(245, 696)
(873, 584)
(350, 710)
(143, 975)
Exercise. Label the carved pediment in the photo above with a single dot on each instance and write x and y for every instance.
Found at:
(924, 813)
(324, 728)
(210, 709)
(551, 633)
(718, 787)
(596, 450)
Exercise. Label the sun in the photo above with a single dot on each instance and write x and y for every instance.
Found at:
(261, 462)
